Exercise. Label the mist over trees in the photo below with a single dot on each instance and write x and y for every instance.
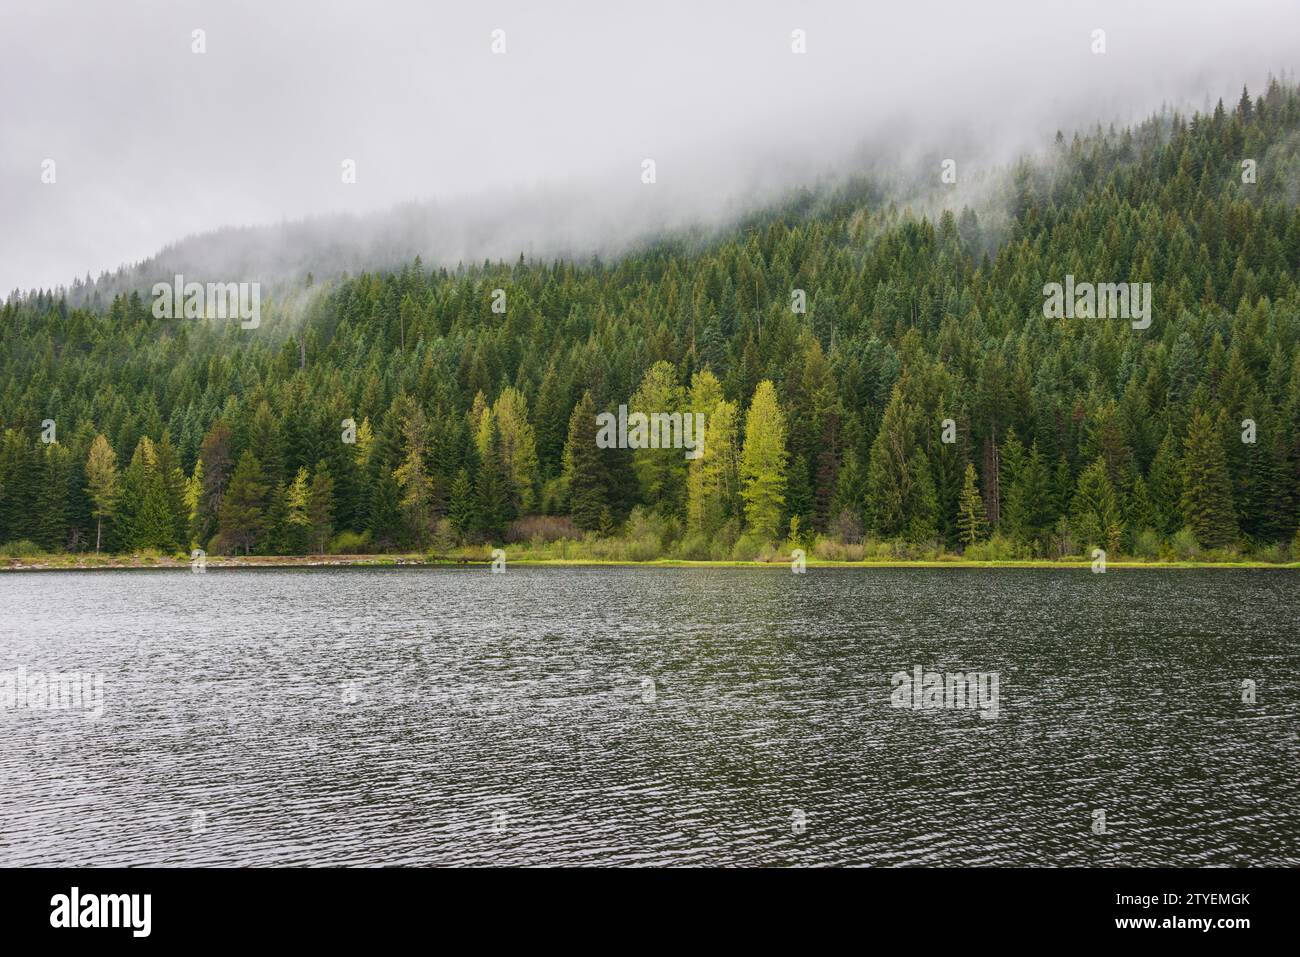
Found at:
(825, 426)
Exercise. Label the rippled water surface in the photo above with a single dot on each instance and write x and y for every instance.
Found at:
(652, 716)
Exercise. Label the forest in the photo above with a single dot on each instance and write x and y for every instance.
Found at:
(876, 382)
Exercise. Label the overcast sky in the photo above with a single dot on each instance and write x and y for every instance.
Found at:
(153, 142)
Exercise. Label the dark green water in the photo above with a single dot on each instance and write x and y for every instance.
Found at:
(653, 716)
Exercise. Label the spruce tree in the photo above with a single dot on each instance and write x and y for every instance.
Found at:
(493, 488)
(584, 471)
(320, 507)
(763, 462)
(970, 509)
(102, 484)
(1207, 487)
(1095, 516)
(242, 521)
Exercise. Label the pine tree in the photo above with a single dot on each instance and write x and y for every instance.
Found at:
(320, 507)
(902, 498)
(1095, 515)
(713, 480)
(103, 484)
(1140, 511)
(493, 488)
(1029, 509)
(584, 471)
(660, 471)
(242, 521)
(52, 503)
(970, 509)
(297, 499)
(216, 454)
(1165, 485)
(417, 496)
(172, 484)
(518, 449)
(463, 510)
(384, 520)
(763, 462)
(1207, 487)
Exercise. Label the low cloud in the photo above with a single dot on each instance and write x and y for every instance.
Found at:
(462, 153)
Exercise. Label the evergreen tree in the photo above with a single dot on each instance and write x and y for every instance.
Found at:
(103, 484)
(1207, 487)
(763, 462)
(385, 518)
(584, 472)
(1165, 486)
(320, 507)
(463, 511)
(242, 521)
(297, 499)
(52, 503)
(493, 489)
(900, 488)
(970, 514)
(661, 469)
(1095, 514)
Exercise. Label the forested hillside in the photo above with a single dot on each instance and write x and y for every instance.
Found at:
(825, 426)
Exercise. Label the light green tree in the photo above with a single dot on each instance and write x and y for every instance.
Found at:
(763, 462)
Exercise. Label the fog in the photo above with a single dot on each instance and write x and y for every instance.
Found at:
(539, 149)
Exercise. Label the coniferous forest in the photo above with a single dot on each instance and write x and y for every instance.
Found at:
(876, 383)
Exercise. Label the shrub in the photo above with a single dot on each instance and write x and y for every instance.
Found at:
(751, 547)
(1273, 552)
(998, 548)
(1147, 544)
(1183, 546)
(350, 543)
(20, 549)
(847, 527)
(542, 529)
(695, 548)
(830, 550)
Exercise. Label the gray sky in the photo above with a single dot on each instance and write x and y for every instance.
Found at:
(153, 142)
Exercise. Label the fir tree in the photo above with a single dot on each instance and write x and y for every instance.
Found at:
(320, 507)
(103, 484)
(1095, 514)
(584, 471)
(763, 462)
(1207, 487)
(970, 509)
(242, 521)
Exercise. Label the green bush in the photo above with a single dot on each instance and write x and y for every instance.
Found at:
(1272, 552)
(832, 550)
(999, 548)
(19, 549)
(1183, 546)
(351, 543)
(750, 547)
(1147, 544)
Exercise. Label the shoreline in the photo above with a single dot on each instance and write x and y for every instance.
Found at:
(165, 563)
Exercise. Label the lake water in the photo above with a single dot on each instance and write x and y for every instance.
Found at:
(634, 716)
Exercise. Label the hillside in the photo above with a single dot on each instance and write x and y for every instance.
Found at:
(479, 425)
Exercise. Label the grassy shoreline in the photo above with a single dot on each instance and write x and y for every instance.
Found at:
(124, 562)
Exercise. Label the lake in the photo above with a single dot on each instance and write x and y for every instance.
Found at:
(644, 715)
